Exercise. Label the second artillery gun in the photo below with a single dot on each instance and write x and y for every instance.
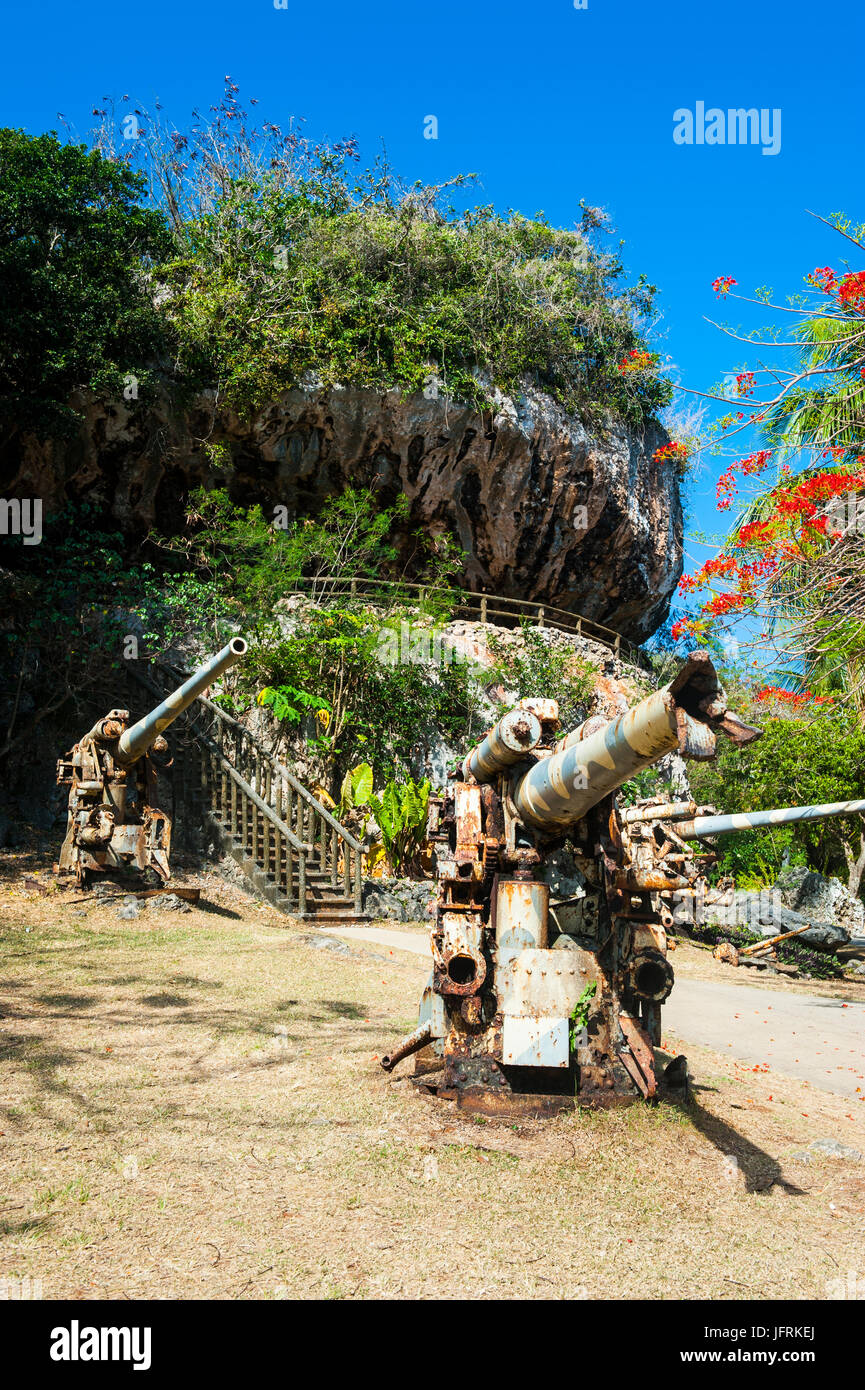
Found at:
(113, 822)
(538, 998)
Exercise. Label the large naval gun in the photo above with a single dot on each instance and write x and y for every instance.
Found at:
(111, 773)
(544, 992)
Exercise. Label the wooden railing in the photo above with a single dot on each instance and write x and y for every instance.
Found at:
(323, 845)
(300, 846)
(484, 608)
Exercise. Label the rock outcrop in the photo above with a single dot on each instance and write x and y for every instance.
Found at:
(544, 509)
(811, 894)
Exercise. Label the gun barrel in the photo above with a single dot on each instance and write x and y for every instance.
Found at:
(683, 716)
(699, 826)
(508, 742)
(137, 740)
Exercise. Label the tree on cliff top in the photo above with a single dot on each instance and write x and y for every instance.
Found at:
(289, 265)
(76, 311)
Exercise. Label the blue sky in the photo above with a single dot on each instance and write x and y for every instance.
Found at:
(547, 103)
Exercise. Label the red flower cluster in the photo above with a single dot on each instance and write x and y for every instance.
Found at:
(723, 604)
(823, 278)
(726, 489)
(791, 697)
(745, 384)
(728, 567)
(637, 361)
(688, 627)
(851, 292)
(723, 285)
(671, 451)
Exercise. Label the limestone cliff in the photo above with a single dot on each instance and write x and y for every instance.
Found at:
(543, 509)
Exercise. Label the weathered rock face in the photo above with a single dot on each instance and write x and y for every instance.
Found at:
(766, 912)
(543, 509)
(811, 894)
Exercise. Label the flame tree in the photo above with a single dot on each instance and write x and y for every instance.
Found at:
(794, 558)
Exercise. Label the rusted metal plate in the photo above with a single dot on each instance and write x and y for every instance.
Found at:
(641, 1055)
(522, 911)
(512, 1104)
(540, 984)
(467, 809)
(535, 1042)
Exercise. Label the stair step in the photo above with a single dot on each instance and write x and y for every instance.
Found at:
(344, 918)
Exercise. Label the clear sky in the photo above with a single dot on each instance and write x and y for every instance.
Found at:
(548, 103)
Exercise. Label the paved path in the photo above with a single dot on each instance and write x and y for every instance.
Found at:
(801, 1035)
(816, 1040)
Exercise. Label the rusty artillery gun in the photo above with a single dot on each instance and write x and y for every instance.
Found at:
(538, 999)
(111, 773)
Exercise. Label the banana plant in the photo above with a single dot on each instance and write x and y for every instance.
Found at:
(356, 789)
(401, 812)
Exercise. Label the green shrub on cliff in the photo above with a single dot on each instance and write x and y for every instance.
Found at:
(289, 263)
(276, 283)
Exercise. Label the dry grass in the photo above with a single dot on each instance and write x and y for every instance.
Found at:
(160, 1139)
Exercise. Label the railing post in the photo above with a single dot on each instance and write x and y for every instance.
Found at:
(540, 616)
(358, 882)
(301, 884)
(483, 608)
(334, 856)
(346, 868)
(268, 775)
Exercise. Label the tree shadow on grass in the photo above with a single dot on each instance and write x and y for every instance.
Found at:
(68, 1001)
(343, 1009)
(760, 1170)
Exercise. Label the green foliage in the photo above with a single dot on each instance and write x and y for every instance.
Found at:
(580, 1013)
(797, 762)
(356, 789)
(537, 668)
(289, 263)
(73, 602)
(401, 813)
(276, 282)
(289, 705)
(255, 561)
(646, 783)
(75, 306)
(377, 708)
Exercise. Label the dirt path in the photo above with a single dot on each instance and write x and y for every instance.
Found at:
(821, 1041)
